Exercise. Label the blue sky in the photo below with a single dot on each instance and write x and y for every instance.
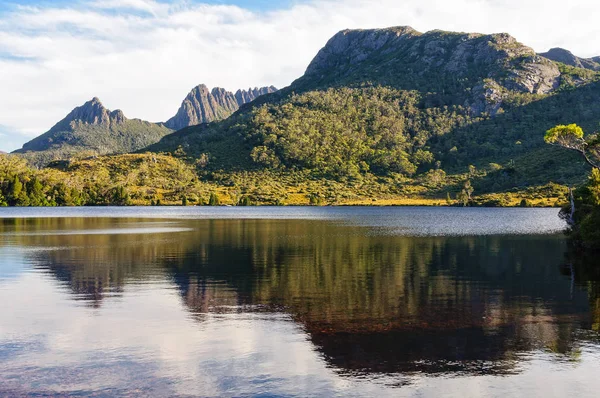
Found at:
(143, 56)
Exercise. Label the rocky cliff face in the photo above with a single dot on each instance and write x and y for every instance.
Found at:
(483, 67)
(91, 113)
(203, 105)
(566, 57)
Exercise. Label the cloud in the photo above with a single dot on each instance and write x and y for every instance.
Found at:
(143, 56)
(12, 138)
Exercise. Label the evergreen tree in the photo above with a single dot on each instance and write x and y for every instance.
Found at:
(120, 196)
(213, 200)
(16, 190)
(36, 194)
(244, 201)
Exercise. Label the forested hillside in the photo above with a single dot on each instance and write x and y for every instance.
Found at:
(397, 102)
(386, 116)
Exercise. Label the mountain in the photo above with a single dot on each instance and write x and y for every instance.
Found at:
(90, 130)
(351, 56)
(203, 105)
(566, 57)
(243, 97)
(413, 107)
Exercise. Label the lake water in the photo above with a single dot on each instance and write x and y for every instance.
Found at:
(427, 302)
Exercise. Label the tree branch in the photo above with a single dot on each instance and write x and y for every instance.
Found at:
(582, 152)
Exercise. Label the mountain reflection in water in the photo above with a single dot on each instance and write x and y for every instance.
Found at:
(370, 303)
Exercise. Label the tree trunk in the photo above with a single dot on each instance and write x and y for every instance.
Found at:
(571, 219)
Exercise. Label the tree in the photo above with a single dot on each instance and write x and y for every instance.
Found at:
(214, 200)
(244, 201)
(16, 189)
(36, 193)
(472, 171)
(468, 189)
(184, 200)
(572, 137)
(18, 193)
(463, 198)
(120, 196)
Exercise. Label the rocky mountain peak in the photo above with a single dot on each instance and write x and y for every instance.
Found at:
(491, 65)
(355, 46)
(203, 105)
(245, 96)
(568, 58)
(91, 113)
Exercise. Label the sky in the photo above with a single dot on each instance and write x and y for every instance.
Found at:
(144, 56)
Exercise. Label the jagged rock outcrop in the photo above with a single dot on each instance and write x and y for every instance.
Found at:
(92, 129)
(203, 105)
(566, 57)
(404, 58)
(91, 113)
(243, 97)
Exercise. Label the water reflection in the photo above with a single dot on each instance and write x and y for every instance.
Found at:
(368, 302)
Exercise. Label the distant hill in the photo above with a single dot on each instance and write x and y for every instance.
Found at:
(399, 103)
(566, 57)
(91, 130)
(203, 105)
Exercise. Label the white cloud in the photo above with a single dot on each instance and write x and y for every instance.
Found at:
(143, 56)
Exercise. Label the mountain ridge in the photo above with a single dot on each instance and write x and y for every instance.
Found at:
(435, 53)
(203, 105)
(398, 101)
(89, 130)
(566, 57)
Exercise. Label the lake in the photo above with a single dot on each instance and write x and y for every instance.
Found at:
(295, 302)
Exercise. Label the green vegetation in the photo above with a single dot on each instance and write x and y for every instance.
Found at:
(120, 180)
(150, 179)
(388, 116)
(80, 140)
(348, 134)
(583, 212)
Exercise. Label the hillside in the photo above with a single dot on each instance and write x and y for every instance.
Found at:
(204, 106)
(91, 130)
(566, 57)
(408, 105)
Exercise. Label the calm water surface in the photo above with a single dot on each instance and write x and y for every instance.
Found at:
(424, 302)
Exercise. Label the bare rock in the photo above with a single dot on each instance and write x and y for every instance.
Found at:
(204, 106)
